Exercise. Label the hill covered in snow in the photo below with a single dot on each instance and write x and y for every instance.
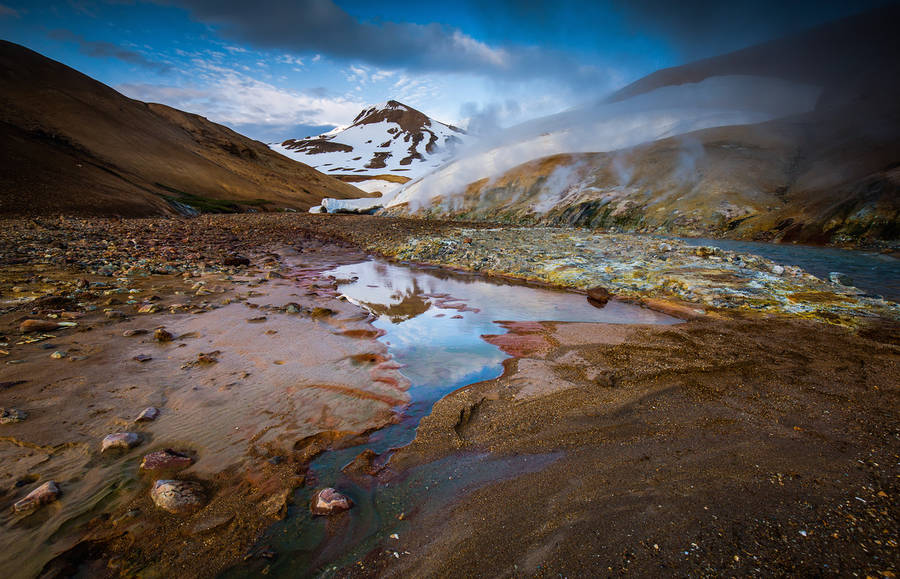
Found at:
(385, 146)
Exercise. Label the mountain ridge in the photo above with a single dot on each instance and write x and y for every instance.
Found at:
(77, 146)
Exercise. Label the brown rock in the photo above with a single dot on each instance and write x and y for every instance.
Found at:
(46, 493)
(38, 326)
(168, 460)
(177, 496)
(161, 335)
(328, 501)
(235, 260)
(598, 296)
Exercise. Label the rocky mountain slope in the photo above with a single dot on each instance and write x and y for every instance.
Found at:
(386, 145)
(73, 145)
(830, 174)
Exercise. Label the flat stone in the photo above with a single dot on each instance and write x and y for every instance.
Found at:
(177, 496)
(120, 440)
(148, 414)
(10, 415)
(136, 332)
(167, 459)
(328, 501)
(46, 493)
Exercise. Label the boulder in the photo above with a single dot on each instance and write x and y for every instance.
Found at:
(328, 501)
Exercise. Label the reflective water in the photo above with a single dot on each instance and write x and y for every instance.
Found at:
(874, 273)
(433, 322)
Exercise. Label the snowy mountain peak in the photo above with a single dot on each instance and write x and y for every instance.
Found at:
(390, 142)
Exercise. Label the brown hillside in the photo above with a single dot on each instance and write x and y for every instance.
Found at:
(76, 146)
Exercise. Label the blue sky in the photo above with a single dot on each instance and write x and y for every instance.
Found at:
(277, 69)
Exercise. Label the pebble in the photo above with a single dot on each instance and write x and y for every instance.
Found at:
(143, 358)
(115, 314)
(329, 501)
(120, 440)
(147, 414)
(167, 459)
(137, 332)
(11, 415)
(46, 493)
(58, 355)
(177, 496)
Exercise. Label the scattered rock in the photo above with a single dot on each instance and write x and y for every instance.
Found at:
(161, 335)
(46, 493)
(328, 501)
(598, 296)
(120, 440)
(147, 414)
(142, 358)
(137, 332)
(276, 505)
(115, 314)
(167, 459)
(10, 415)
(147, 309)
(258, 320)
(58, 355)
(177, 496)
(363, 464)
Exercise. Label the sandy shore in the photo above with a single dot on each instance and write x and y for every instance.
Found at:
(737, 443)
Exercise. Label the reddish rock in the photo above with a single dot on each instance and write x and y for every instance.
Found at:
(167, 459)
(328, 501)
(46, 493)
(598, 296)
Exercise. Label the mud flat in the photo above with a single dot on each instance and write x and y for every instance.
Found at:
(760, 436)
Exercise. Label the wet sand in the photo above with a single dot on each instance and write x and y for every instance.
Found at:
(732, 444)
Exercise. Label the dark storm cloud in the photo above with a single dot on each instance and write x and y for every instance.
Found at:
(108, 50)
(323, 26)
(702, 28)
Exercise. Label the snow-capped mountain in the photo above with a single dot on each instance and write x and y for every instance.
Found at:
(385, 146)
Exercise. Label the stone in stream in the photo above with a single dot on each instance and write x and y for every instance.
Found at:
(10, 415)
(148, 414)
(328, 501)
(177, 496)
(167, 459)
(598, 296)
(120, 440)
(161, 335)
(46, 493)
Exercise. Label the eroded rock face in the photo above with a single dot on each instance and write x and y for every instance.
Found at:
(46, 493)
(177, 496)
(120, 440)
(328, 501)
(166, 460)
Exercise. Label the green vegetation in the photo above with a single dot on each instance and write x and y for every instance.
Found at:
(207, 204)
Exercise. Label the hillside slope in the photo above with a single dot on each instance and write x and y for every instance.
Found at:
(826, 175)
(74, 145)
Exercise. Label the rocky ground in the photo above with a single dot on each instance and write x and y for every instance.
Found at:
(760, 437)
